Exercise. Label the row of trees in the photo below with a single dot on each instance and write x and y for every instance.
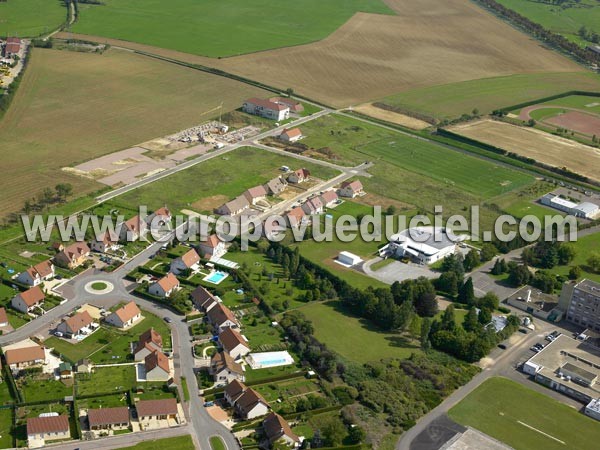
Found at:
(48, 197)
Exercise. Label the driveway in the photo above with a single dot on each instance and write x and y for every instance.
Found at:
(398, 271)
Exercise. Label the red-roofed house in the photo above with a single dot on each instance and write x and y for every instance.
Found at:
(212, 247)
(296, 217)
(234, 343)
(203, 299)
(42, 429)
(20, 358)
(251, 404)
(37, 274)
(161, 409)
(149, 342)
(164, 287)
(299, 176)
(294, 105)
(160, 217)
(157, 366)
(291, 135)
(233, 391)
(125, 316)
(77, 324)
(221, 317)
(224, 369)
(255, 194)
(109, 418)
(3, 318)
(313, 206)
(351, 189)
(29, 300)
(72, 255)
(188, 261)
(329, 198)
(278, 430)
(266, 108)
(132, 229)
(108, 241)
(12, 47)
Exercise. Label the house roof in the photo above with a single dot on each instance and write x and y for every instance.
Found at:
(256, 192)
(156, 407)
(13, 39)
(168, 282)
(220, 314)
(32, 296)
(52, 424)
(296, 213)
(190, 258)
(248, 400)
(230, 339)
(74, 251)
(315, 203)
(234, 389)
(108, 238)
(211, 241)
(156, 359)
(236, 204)
(202, 297)
(3, 316)
(42, 269)
(293, 104)
(164, 211)
(108, 416)
(268, 104)
(12, 47)
(151, 336)
(26, 354)
(78, 321)
(292, 132)
(329, 196)
(127, 312)
(302, 173)
(134, 224)
(276, 185)
(223, 360)
(355, 185)
(276, 426)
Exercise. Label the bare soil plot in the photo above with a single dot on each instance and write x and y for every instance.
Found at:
(539, 145)
(390, 116)
(577, 121)
(373, 56)
(72, 107)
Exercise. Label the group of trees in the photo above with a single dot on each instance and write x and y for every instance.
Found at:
(548, 254)
(48, 197)
(589, 35)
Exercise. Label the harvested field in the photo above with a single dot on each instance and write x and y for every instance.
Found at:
(577, 121)
(390, 116)
(539, 145)
(72, 107)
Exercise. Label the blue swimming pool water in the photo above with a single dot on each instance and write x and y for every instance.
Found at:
(216, 277)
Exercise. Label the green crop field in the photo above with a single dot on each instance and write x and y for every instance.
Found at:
(72, 107)
(522, 418)
(354, 338)
(216, 181)
(220, 28)
(565, 19)
(30, 18)
(487, 94)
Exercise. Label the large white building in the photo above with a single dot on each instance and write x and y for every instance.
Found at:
(425, 245)
(585, 210)
(266, 108)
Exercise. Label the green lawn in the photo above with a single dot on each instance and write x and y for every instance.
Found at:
(43, 390)
(174, 443)
(216, 28)
(106, 401)
(28, 18)
(106, 380)
(214, 182)
(354, 338)
(6, 428)
(216, 443)
(501, 408)
(487, 94)
(584, 247)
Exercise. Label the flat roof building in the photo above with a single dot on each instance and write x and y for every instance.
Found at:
(581, 301)
(425, 245)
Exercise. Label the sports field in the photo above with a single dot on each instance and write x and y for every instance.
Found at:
(219, 28)
(72, 107)
(30, 18)
(565, 18)
(487, 94)
(539, 145)
(373, 56)
(525, 419)
(354, 338)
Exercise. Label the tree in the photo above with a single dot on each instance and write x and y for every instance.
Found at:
(333, 432)
(485, 316)
(47, 196)
(289, 91)
(594, 262)
(470, 322)
(426, 305)
(574, 273)
(448, 319)
(425, 329)
(488, 251)
(466, 293)
(566, 254)
(472, 260)
(489, 301)
(63, 190)
(519, 275)
(356, 435)
(448, 283)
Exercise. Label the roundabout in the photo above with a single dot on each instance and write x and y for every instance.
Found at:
(99, 287)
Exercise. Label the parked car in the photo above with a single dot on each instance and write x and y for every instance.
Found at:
(207, 404)
(523, 330)
(167, 319)
(502, 346)
(58, 334)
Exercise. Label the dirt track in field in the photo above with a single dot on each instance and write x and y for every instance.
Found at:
(371, 56)
(539, 145)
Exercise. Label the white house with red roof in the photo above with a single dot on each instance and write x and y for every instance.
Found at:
(351, 189)
(266, 108)
(28, 300)
(125, 316)
(160, 217)
(313, 206)
(291, 135)
(37, 274)
(107, 241)
(132, 229)
(212, 247)
(255, 194)
(164, 287)
(296, 217)
(299, 176)
(190, 260)
(329, 198)
(73, 255)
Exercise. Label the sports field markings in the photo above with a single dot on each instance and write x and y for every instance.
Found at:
(541, 432)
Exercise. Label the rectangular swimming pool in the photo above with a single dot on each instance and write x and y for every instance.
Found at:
(269, 359)
(216, 277)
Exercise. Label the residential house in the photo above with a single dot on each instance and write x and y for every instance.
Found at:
(132, 229)
(84, 366)
(255, 194)
(73, 255)
(3, 318)
(221, 317)
(58, 246)
(157, 366)
(37, 274)
(125, 316)
(21, 358)
(65, 370)
(273, 227)
(251, 405)
(203, 300)
(266, 108)
(224, 369)
(109, 418)
(276, 186)
(28, 300)
(149, 341)
(329, 198)
(162, 409)
(294, 105)
(278, 430)
(108, 241)
(233, 391)
(160, 217)
(188, 261)
(78, 324)
(233, 207)
(164, 287)
(299, 176)
(351, 189)
(234, 343)
(291, 135)
(212, 247)
(12, 47)
(296, 217)
(47, 428)
(313, 206)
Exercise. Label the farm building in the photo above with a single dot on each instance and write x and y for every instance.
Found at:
(348, 259)
(585, 210)
(266, 109)
(425, 245)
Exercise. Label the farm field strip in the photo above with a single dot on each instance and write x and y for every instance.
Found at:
(30, 18)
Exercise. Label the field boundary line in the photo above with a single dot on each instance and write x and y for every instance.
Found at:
(541, 432)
